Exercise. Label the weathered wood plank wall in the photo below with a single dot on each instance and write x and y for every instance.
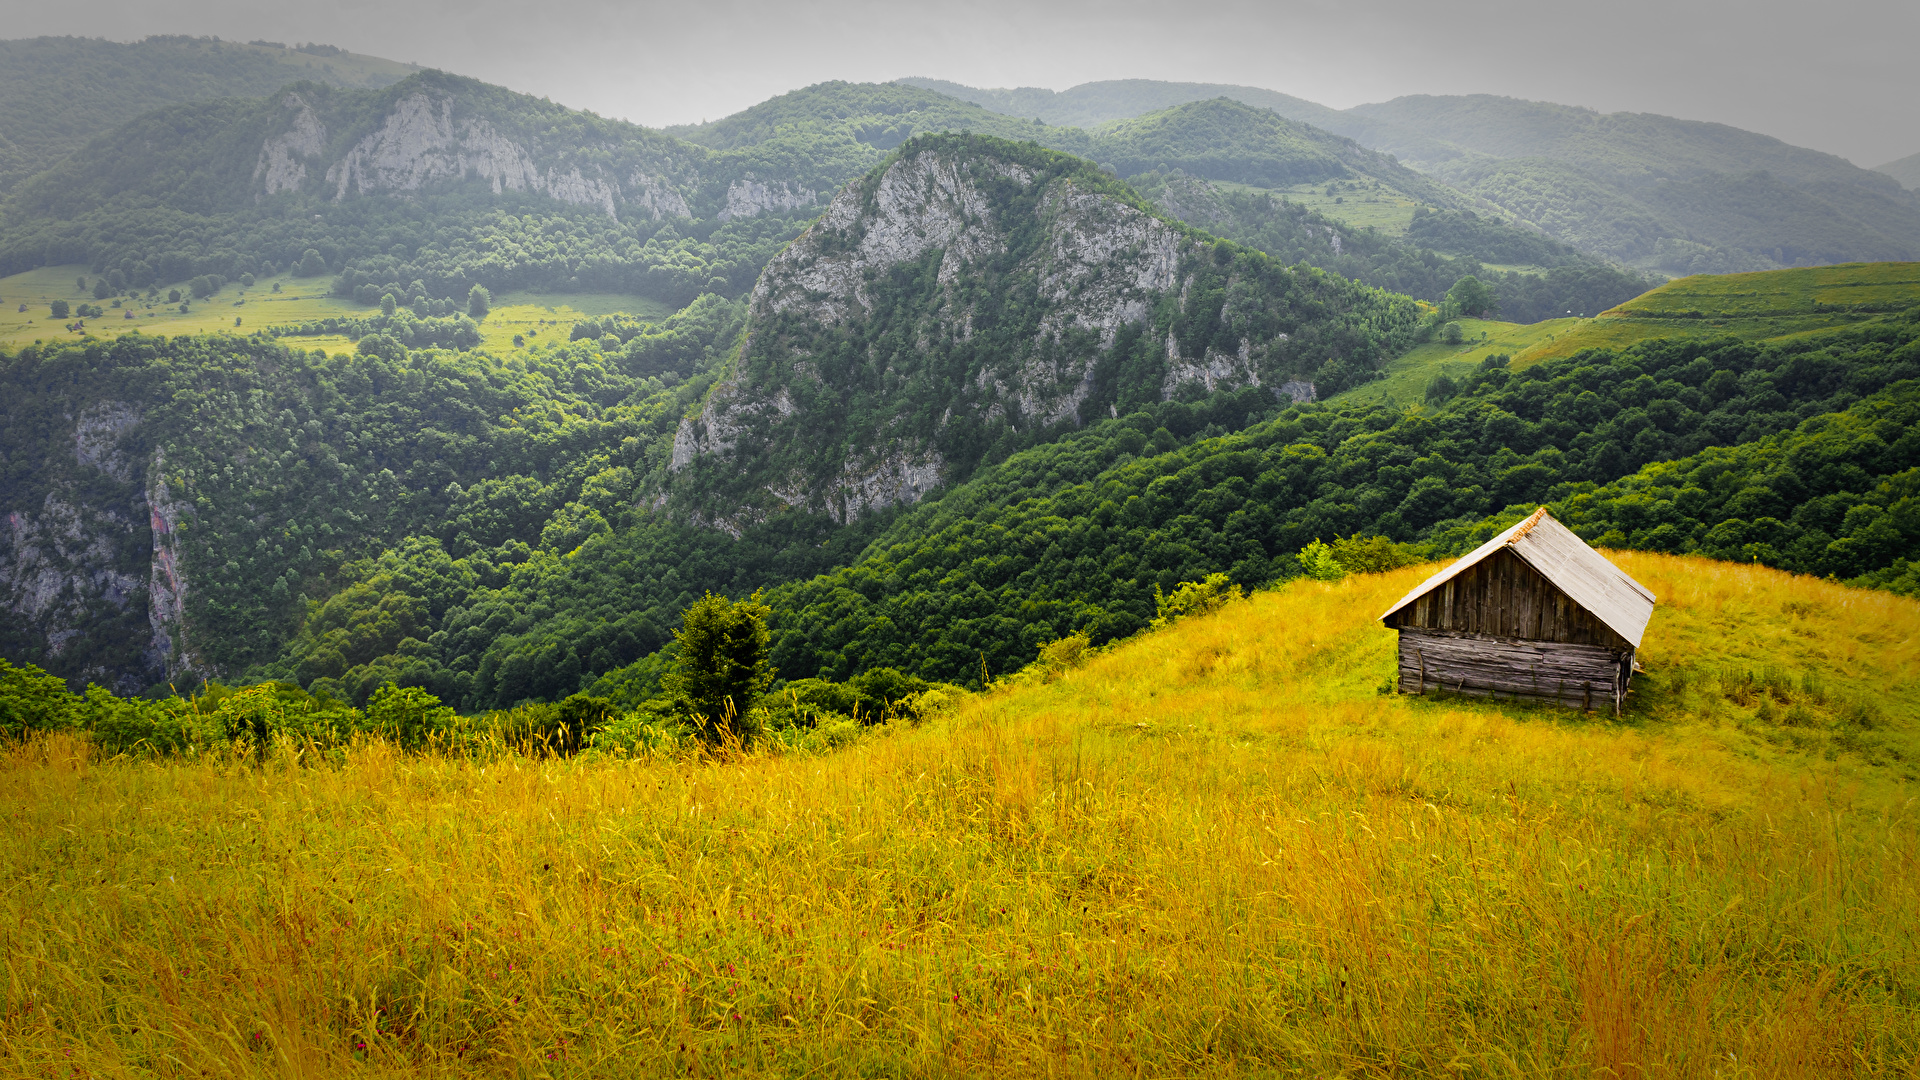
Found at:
(1577, 675)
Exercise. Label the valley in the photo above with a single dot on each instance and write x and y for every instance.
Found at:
(887, 581)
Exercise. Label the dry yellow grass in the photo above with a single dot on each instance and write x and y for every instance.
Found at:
(1214, 850)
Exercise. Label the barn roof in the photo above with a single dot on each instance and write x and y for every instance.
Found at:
(1597, 585)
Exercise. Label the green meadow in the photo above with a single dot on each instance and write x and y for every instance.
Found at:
(1407, 376)
(1757, 307)
(1372, 205)
(241, 309)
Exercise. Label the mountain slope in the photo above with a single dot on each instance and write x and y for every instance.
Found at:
(974, 290)
(1753, 201)
(1656, 192)
(438, 180)
(1906, 171)
(1090, 105)
(58, 93)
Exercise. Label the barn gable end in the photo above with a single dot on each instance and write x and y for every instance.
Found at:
(1532, 614)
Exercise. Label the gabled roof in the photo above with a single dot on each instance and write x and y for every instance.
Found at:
(1597, 585)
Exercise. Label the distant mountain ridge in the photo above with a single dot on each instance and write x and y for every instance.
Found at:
(1653, 191)
(1906, 171)
(57, 93)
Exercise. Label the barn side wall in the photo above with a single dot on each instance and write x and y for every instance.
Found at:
(1501, 596)
(1562, 673)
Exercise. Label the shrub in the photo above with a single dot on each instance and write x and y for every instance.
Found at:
(409, 715)
(1317, 562)
(1211, 593)
(32, 700)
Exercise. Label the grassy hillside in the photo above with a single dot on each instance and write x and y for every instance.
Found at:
(1753, 307)
(1406, 378)
(58, 93)
(1216, 849)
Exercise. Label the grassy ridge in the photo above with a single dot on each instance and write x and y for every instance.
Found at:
(1752, 307)
(1214, 849)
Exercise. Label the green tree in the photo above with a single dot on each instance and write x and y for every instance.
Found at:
(722, 666)
(479, 301)
(1473, 298)
(388, 305)
(1317, 562)
(101, 290)
(59, 309)
(311, 264)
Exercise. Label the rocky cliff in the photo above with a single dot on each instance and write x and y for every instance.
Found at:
(972, 293)
(89, 576)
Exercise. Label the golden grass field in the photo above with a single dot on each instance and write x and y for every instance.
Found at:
(1215, 850)
(259, 307)
(1759, 306)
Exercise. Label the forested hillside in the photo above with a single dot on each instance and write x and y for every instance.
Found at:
(975, 295)
(436, 179)
(437, 184)
(58, 93)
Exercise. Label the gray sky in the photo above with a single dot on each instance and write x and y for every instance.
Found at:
(1836, 76)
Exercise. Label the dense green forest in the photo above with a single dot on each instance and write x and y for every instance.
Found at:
(58, 93)
(494, 563)
(1079, 534)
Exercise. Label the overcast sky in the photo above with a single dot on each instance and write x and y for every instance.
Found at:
(1837, 76)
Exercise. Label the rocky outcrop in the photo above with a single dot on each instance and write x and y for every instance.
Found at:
(91, 577)
(953, 290)
(751, 197)
(433, 136)
(283, 159)
(166, 580)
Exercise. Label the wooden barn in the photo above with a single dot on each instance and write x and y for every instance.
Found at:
(1533, 614)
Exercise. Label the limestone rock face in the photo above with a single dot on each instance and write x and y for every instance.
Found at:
(433, 136)
(79, 562)
(284, 157)
(951, 298)
(750, 197)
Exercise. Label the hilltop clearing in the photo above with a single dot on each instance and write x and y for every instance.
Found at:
(1212, 849)
(58, 93)
(1762, 306)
